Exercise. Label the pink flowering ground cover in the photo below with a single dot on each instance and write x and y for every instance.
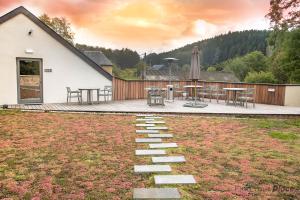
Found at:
(86, 156)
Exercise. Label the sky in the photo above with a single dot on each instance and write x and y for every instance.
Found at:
(149, 25)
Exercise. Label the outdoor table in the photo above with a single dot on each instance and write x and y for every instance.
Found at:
(89, 92)
(234, 91)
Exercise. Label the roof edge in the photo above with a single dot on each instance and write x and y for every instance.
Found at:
(57, 37)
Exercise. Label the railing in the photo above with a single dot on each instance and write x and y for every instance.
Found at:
(135, 89)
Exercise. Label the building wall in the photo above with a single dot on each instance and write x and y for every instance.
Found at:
(67, 68)
(292, 96)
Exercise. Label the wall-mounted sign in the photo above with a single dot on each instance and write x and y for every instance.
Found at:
(48, 70)
(271, 89)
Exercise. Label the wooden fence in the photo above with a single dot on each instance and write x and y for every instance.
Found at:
(135, 89)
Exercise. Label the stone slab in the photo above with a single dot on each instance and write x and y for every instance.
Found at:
(144, 119)
(146, 152)
(174, 179)
(156, 193)
(144, 125)
(160, 135)
(168, 159)
(155, 122)
(157, 128)
(147, 131)
(144, 115)
(162, 145)
(149, 140)
(151, 168)
(152, 117)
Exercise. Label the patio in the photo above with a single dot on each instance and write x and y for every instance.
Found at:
(176, 107)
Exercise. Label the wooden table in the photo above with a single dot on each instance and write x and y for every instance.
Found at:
(89, 92)
(234, 91)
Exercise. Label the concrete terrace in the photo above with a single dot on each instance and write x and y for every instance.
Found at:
(176, 107)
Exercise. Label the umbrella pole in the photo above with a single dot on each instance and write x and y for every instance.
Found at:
(195, 91)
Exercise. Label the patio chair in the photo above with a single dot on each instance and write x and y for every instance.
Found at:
(179, 92)
(203, 92)
(73, 94)
(247, 96)
(155, 97)
(106, 93)
(216, 93)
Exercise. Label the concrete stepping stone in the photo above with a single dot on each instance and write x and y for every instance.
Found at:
(144, 115)
(144, 125)
(149, 140)
(157, 128)
(155, 122)
(153, 117)
(146, 152)
(168, 159)
(156, 193)
(144, 119)
(151, 168)
(163, 145)
(162, 135)
(174, 179)
(147, 131)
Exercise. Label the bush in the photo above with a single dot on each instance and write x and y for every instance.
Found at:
(260, 77)
(211, 69)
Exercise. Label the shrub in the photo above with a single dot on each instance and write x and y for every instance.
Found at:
(260, 77)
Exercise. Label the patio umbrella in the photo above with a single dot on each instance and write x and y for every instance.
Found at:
(195, 75)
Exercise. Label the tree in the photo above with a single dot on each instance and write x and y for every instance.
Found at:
(260, 77)
(284, 14)
(285, 61)
(60, 25)
(256, 61)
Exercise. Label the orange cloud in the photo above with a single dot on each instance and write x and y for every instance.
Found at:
(148, 24)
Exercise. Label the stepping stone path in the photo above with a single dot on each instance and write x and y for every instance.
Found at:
(163, 145)
(145, 152)
(147, 131)
(156, 193)
(144, 125)
(145, 140)
(160, 135)
(158, 156)
(174, 179)
(168, 159)
(151, 168)
(157, 128)
(155, 122)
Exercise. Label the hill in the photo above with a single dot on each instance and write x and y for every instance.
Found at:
(217, 49)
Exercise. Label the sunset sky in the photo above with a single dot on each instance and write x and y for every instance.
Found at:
(149, 25)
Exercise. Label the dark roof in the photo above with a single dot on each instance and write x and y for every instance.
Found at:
(33, 18)
(98, 57)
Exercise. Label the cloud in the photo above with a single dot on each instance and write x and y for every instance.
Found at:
(155, 24)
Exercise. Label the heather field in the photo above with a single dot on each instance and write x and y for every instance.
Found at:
(86, 156)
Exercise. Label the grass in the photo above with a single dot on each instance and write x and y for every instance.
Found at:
(86, 156)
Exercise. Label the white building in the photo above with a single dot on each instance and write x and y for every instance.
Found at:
(36, 64)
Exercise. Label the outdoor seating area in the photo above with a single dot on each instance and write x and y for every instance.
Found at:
(101, 95)
(231, 96)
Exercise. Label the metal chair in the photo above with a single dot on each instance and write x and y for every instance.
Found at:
(106, 93)
(216, 92)
(155, 97)
(247, 96)
(73, 94)
(203, 92)
(179, 92)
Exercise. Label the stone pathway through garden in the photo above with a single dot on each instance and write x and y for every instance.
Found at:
(160, 159)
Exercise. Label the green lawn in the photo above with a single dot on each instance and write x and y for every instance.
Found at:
(86, 156)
